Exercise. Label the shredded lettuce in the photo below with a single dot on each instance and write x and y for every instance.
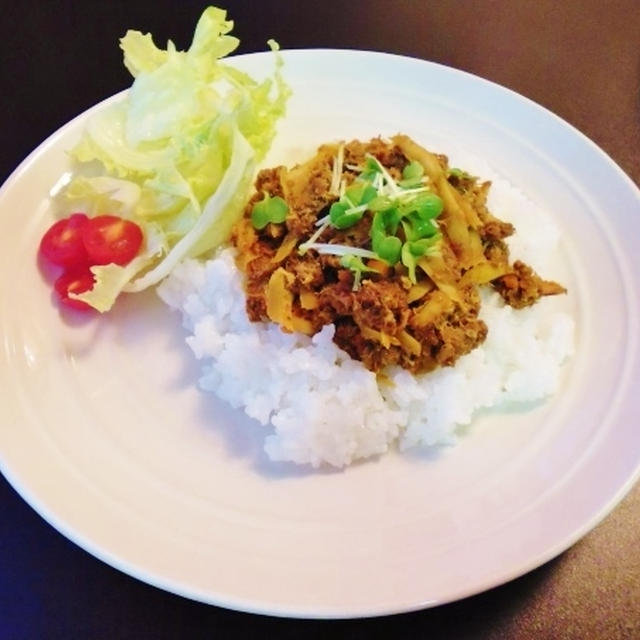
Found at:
(178, 153)
(111, 279)
(94, 195)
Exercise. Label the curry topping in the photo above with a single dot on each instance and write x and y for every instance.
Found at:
(387, 242)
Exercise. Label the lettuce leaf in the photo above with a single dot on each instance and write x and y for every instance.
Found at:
(111, 279)
(214, 225)
(178, 153)
(93, 195)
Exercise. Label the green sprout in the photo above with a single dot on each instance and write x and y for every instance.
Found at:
(407, 205)
(459, 173)
(383, 241)
(413, 250)
(412, 175)
(371, 169)
(352, 205)
(357, 267)
(269, 209)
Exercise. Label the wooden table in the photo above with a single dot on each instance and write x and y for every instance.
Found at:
(578, 58)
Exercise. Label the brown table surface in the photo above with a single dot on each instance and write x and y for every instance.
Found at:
(578, 58)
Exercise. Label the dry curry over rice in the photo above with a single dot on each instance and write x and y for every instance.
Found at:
(387, 242)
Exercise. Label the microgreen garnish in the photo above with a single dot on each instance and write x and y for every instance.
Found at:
(371, 169)
(269, 209)
(424, 204)
(340, 250)
(360, 192)
(343, 216)
(351, 207)
(305, 246)
(357, 267)
(383, 239)
(412, 175)
(411, 251)
(389, 182)
(387, 247)
(404, 212)
(380, 203)
(459, 173)
(409, 260)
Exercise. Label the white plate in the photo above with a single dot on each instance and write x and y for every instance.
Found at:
(105, 434)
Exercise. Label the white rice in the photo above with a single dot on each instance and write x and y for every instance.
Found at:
(320, 406)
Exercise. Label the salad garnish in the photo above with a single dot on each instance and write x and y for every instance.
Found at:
(176, 154)
(80, 244)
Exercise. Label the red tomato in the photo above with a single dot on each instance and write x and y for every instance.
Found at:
(62, 244)
(76, 280)
(111, 239)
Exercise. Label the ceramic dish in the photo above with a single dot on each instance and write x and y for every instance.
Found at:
(104, 432)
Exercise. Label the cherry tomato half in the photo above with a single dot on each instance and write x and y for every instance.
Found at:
(109, 239)
(62, 244)
(76, 280)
